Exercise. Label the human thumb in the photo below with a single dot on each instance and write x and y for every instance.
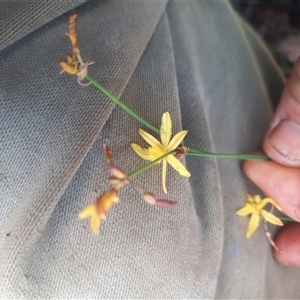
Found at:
(282, 141)
(279, 178)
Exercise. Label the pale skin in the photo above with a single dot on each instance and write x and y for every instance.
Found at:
(280, 178)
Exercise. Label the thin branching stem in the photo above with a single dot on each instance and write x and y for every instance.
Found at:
(120, 103)
(191, 151)
(147, 166)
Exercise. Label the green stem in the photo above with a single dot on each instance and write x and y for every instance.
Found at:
(147, 166)
(191, 151)
(286, 219)
(195, 152)
(120, 103)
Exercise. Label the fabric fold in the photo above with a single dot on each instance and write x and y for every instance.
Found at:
(142, 251)
(20, 18)
(53, 120)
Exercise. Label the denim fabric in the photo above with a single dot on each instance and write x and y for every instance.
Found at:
(198, 61)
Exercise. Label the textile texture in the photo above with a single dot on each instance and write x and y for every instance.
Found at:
(196, 60)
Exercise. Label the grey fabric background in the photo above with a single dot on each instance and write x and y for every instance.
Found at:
(198, 61)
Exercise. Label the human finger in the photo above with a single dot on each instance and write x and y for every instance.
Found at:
(282, 141)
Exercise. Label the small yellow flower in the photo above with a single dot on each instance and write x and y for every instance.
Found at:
(254, 206)
(98, 209)
(158, 149)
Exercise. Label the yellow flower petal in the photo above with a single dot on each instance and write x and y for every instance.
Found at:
(249, 198)
(253, 224)
(246, 210)
(266, 201)
(256, 199)
(105, 201)
(271, 218)
(68, 67)
(164, 175)
(178, 166)
(151, 153)
(95, 224)
(165, 129)
(87, 212)
(99, 208)
(143, 153)
(176, 140)
(151, 140)
(156, 152)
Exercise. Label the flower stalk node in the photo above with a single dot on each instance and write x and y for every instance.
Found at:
(181, 151)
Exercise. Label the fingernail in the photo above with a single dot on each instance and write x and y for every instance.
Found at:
(285, 138)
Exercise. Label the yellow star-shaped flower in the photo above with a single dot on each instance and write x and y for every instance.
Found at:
(254, 206)
(158, 149)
